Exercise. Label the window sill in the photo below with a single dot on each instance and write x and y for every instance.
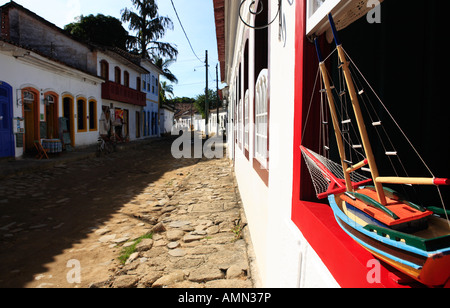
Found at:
(262, 171)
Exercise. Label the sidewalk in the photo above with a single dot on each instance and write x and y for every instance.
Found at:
(11, 166)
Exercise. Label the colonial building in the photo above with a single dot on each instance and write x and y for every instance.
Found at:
(51, 77)
(56, 88)
(268, 61)
(41, 91)
(121, 91)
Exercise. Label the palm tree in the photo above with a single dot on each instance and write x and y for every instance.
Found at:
(150, 29)
(164, 89)
(164, 66)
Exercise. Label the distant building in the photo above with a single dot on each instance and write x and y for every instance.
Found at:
(217, 121)
(166, 116)
(184, 117)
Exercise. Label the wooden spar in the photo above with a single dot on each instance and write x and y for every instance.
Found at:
(361, 126)
(359, 117)
(357, 166)
(413, 181)
(337, 130)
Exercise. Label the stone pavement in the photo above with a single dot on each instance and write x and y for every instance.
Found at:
(198, 242)
(91, 209)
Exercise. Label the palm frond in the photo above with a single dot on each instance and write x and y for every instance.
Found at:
(150, 28)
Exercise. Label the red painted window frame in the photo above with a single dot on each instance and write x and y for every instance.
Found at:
(345, 259)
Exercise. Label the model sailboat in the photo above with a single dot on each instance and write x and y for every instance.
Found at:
(410, 237)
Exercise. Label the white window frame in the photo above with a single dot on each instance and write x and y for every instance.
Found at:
(316, 18)
(240, 122)
(246, 119)
(261, 118)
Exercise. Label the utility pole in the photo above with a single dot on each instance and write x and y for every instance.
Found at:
(206, 99)
(217, 99)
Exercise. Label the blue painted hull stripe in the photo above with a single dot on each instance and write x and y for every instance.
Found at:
(400, 245)
(391, 257)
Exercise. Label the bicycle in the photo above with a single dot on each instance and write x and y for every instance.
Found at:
(105, 145)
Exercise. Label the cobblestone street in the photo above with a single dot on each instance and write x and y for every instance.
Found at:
(67, 225)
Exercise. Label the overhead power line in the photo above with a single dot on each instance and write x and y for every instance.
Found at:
(176, 13)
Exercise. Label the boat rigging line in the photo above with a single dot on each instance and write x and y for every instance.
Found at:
(402, 132)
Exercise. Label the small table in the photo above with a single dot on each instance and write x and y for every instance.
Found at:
(52, 145)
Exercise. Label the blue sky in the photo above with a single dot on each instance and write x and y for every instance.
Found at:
(197, 17)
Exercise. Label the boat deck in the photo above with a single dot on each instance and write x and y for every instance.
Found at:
(395, 212)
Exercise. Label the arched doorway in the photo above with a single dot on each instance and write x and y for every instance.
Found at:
(51, 101)
(30, 103)
(6, 121)
(68, 125)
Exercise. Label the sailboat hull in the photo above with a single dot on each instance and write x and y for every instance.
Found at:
(429, 267)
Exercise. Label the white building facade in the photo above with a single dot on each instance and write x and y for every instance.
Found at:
(166, 117)
(54, 90)
(43, 91)
(217, 121)
(270, 71)
(121, 91)
(54, 87)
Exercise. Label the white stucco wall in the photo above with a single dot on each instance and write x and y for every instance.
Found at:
(114, 62)
(283, 256)
(41, 74)
(166, 120)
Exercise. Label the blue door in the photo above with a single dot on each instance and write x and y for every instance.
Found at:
(6, 121)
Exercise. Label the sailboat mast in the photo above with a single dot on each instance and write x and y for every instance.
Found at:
(337, 130)
(359, 117)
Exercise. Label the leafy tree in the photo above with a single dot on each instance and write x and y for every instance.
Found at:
(182, 100)
(99, 29)
(200, 102)
(150, 28)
